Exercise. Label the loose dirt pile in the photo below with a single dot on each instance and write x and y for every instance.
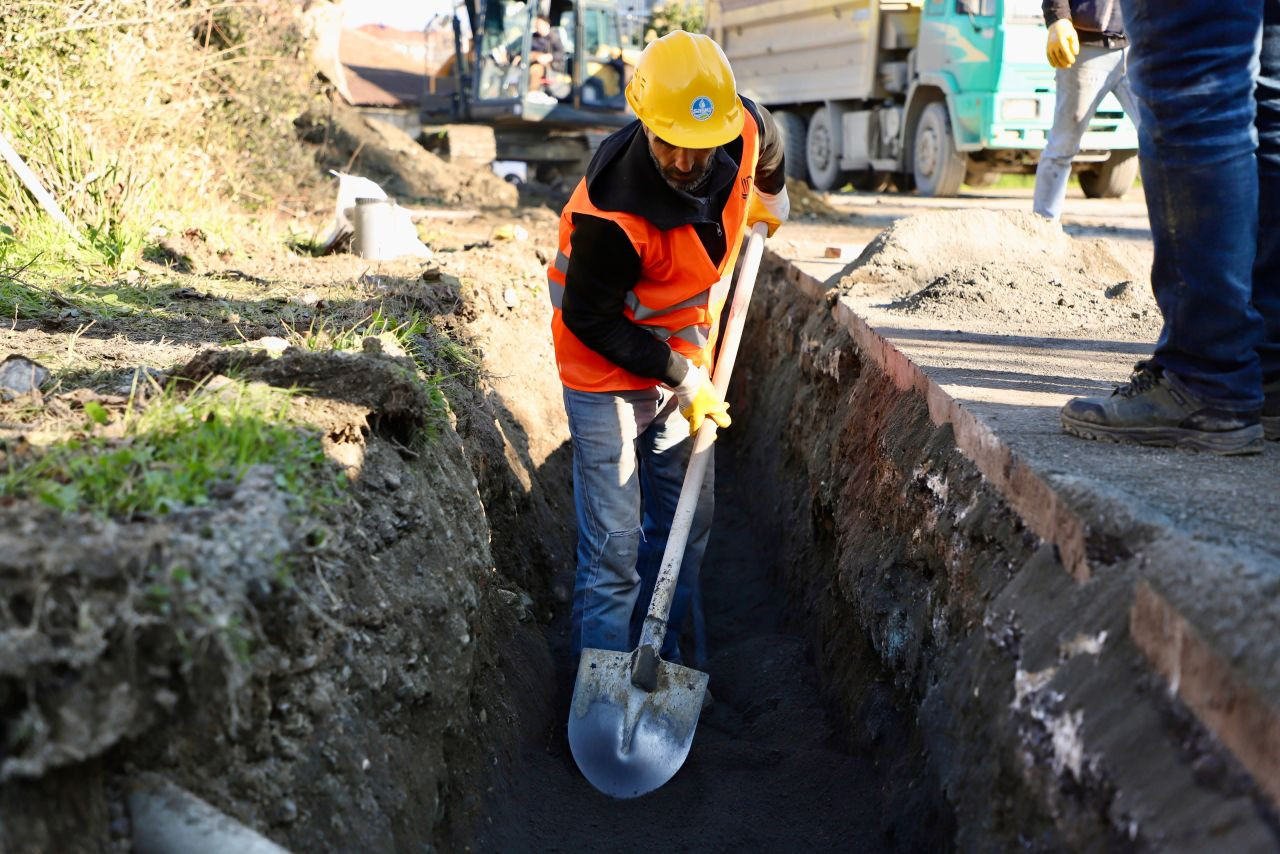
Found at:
(991, 269)
(805, 203)
(407, 171)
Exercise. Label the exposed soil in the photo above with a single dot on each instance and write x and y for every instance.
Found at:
(986, 269)
(1035, 719)
(394, 674)
(395, 693)
(351, 143)
(326, 676)
(768, 770)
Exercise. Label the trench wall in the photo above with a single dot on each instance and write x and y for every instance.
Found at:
(374, 692)
(1042, 716)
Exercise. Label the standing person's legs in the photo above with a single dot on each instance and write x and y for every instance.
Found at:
(1080, 89)
(1192, 68)
(664, 456)
(606, 498)
(1266, 269)
(1123, 89)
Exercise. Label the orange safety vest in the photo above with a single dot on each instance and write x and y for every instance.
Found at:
(680, 294)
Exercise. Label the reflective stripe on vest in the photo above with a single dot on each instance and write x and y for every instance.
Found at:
(697, 335)
(639, 310)
(680, 293)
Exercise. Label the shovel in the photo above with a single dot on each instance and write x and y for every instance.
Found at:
(633, 714)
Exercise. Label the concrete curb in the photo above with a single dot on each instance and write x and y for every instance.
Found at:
(1222, 698)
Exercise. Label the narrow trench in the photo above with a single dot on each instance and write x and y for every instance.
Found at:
(768, 770)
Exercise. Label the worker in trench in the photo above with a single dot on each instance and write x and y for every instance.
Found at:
(648, 242)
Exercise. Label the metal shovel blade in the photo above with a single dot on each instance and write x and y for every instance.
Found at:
(628, 741)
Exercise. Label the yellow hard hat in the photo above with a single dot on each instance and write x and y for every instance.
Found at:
(683, 90)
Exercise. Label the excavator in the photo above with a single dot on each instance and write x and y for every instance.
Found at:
(548, 109)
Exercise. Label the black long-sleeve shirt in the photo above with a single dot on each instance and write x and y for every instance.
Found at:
(604, 266)
(1094, 20)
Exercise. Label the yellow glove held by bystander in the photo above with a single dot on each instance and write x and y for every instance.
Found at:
(1064, 44)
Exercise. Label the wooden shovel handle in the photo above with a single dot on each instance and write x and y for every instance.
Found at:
(655, 621)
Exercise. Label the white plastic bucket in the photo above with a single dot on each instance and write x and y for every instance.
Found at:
(375, 230)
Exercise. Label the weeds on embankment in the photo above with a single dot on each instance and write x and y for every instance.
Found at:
(176, 450)
(164, 128)
(135, 114)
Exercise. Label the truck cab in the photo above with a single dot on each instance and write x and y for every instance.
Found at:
(985, 59)
(927, 94)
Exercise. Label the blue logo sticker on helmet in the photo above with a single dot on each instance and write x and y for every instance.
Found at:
(702, 108)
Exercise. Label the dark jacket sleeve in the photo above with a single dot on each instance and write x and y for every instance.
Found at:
(770, 168)
(603, 266)
(557, 51)
(1055, 10)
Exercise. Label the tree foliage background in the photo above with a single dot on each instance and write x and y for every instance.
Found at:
(687, 15)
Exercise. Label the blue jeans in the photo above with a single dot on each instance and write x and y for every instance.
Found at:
(1080, 89)
(630, 451)
(1209, 143)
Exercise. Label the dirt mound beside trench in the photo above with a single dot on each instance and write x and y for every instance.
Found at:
(349, 142)
(996, 268)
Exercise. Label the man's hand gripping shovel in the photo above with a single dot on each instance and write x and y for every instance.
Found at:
(633, 714)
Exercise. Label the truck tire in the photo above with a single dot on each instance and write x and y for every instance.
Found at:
(936, 165)
(792, 129)
(1113, 177)
(822, 148)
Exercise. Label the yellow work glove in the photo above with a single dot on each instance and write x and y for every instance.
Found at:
(1064, 44)
(698, 400)
(771, 209)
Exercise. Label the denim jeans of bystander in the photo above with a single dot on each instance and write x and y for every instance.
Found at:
(1210, 142)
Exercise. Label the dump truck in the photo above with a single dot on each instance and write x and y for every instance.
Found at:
(927, 94)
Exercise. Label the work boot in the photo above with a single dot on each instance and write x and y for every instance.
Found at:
(1271, 411)
(1151, 410)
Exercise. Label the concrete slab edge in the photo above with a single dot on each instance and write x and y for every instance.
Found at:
(1208, 685)
(1202, 679)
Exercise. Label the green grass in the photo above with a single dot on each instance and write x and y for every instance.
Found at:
(20, 298)
(48, 272)
(1014, 182)
(173, 452)
(103, 199)
(1028, 182)
(17, 297)
(377, 323)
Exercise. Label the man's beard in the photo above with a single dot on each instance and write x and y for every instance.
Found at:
(684, 185)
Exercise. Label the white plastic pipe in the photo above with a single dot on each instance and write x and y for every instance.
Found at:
(168, 819)
(31, 181)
